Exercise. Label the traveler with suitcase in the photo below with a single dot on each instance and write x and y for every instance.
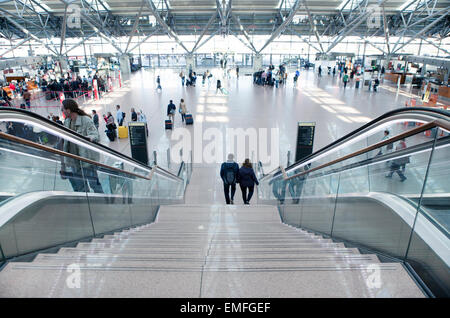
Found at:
(120, 116)
(171, 109)
(111, 127)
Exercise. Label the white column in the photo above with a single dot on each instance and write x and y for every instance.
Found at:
(125, 69)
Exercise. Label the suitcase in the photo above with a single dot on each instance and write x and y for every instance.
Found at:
(110, 134)
(168, 124)
(189, 119)
(123, 132)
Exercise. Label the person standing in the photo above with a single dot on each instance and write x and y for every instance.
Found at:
(95, 118)
(142, 119)
(120, 116)
(81, 173)
(171, 108)
(182, 78)
(247, 180)
(237, 71)
(133, 115)
(111, 126)
(27, 97)
(320, 70)
(183, 110)
(229, 174)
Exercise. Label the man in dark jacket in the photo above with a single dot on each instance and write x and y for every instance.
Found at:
(247, 180)
(171, 108)
(229, 174)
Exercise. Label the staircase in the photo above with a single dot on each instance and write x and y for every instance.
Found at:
(208, 251)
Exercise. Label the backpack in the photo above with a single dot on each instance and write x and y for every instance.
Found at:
(230, 174)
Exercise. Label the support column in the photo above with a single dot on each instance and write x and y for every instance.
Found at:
(63, 64)
(257, 62)
(125, 69)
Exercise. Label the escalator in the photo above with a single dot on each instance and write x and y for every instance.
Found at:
(350, 226)
(48, 201)
(375, 194)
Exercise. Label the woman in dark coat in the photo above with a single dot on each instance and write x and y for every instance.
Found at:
(247, 180)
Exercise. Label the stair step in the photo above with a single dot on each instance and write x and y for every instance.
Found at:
(288, 253)
(301, 281)
(219, 259)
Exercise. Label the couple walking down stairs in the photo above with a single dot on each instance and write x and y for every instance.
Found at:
(208, 251)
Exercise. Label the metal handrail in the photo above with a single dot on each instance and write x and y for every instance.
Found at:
(406, 110)
(66, 154)
(430, 125)
(35, 118)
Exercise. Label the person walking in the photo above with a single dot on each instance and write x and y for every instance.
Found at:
(183, 110)
(78, 172)
(398, 165)
(219, 85)
(247, 180)
(158, 81)
(171, 108)
(320, 70)
(229, 174)
(95, 118)
(345, 79)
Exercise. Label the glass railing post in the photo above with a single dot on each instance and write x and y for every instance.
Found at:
(335, 205)
(86, 187)
(3, 258)
(430, 160)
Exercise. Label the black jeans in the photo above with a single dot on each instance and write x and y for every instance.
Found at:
(226, 189)
(244, 193)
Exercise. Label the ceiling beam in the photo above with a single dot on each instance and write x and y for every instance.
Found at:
(163, 24)
(283, 25)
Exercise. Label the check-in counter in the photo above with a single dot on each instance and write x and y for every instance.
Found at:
(444, 91)
(393, 77)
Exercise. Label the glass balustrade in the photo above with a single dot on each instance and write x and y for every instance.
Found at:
(49, 197)
(393, 199)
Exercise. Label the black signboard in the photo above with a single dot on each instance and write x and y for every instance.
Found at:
(138, 141)
(305, 140)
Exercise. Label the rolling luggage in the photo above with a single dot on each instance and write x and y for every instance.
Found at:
(110, 134)
(168, 124)
(123, 132)
(189, 119)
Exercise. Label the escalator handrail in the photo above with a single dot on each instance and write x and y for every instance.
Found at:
(417, 130)
(70, 132)
(441, 115)
(66, 154)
